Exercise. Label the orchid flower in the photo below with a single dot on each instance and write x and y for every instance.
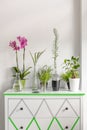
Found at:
(15, 47)
(22, 42)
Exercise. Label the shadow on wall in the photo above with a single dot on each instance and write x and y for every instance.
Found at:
(77, 26)
(77, 30)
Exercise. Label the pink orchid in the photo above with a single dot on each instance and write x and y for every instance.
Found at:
(14, 45)
(22, 44)
(23, 41)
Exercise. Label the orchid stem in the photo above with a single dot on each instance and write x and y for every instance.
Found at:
(17, 59)
(24, 59)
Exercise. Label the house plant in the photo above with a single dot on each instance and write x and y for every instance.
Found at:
(55, 76)
(71, 67)
(18, 45)
(44, 74)
(35, 59)
(65, 76)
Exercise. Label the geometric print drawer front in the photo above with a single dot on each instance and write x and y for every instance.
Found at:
(44, 114)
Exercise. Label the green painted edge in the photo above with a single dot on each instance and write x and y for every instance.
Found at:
(29, 123)
(13, 123)
(59, 123)
(44, 94)
(37, 124)
(75, 123)
(50, 123)
(33, 119)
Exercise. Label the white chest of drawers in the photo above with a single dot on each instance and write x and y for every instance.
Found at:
(43, 111)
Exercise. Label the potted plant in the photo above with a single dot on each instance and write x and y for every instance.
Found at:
(17, 46)
(55, 76)
(35, 59)
(65, 76)
(71, 67)
(44, 74)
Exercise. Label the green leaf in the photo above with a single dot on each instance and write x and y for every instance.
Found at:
(16, 69)
(36, 56)
(72, 65)
(32, 57)
(44, 74)
(27, 69)
(25, 74)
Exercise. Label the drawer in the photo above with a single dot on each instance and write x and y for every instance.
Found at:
(60, 107)
(69, 108)
(70, 123)
(19, 109)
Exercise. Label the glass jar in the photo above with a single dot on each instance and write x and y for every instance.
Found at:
(44, 87)
(17, 84)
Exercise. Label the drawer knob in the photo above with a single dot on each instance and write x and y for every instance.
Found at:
(21, 127)
(66, 127)
(66, 108)
(21, 108)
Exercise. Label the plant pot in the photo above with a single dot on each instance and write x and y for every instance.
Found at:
(55, 85)
(23, 83)
(68, 85)
(55, 82)
(74, 84)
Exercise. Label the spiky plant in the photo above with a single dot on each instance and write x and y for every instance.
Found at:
(44, 74)
(35, 59)
(36, 56)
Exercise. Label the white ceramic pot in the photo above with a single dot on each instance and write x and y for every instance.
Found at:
(74, 84)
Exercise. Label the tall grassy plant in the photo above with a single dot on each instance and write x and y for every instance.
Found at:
(44, 74)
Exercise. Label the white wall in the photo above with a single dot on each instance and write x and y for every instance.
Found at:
(35, 19)
(84, 55)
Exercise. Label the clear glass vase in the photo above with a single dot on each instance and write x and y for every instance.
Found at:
(17, 84)
(34, 85)
(44, 86)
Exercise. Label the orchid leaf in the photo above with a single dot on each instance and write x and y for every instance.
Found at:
(16, 69)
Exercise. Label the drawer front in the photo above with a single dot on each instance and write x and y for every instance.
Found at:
(44, 113)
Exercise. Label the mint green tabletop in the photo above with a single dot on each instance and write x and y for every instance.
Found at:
(28, 92)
